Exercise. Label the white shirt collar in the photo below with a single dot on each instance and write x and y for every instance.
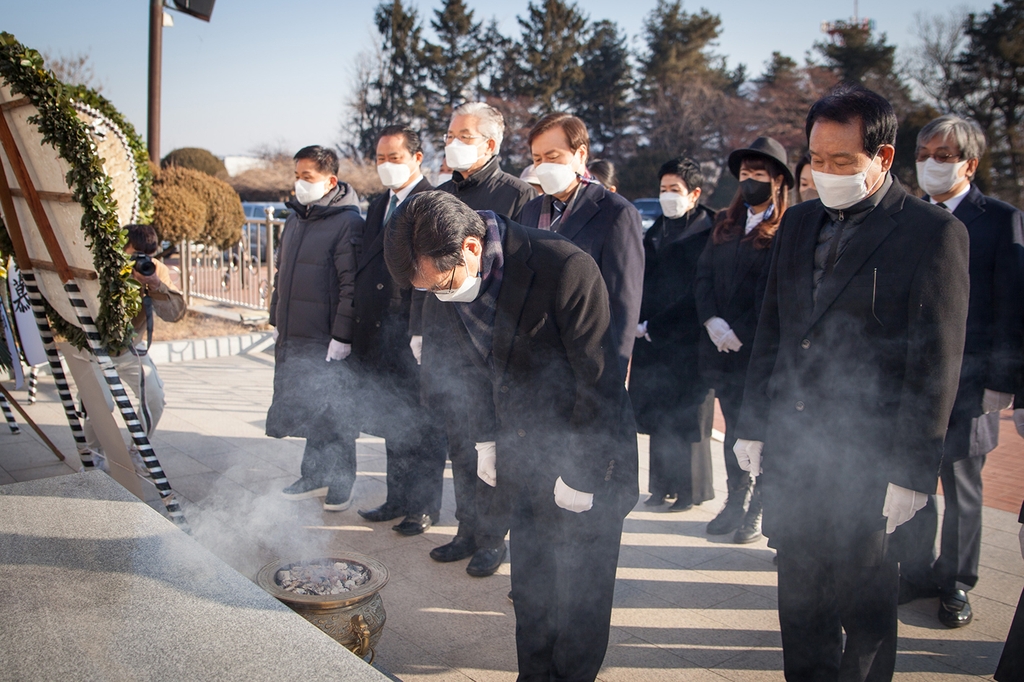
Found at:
(754, 219)
(952, 202)
(404, 193)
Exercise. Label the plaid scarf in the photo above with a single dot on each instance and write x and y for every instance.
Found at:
(478, 315)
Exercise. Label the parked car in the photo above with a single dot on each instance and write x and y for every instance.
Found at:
(255, 232)
(650, 210)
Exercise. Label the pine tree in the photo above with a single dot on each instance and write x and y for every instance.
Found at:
(601, 98)
(454, 64)
(677, 46)
(549, 49)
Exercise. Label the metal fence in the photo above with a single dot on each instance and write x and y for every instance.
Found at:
(243, 275)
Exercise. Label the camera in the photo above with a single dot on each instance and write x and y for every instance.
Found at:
(144, 264)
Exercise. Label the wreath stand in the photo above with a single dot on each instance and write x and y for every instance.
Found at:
(70, 278)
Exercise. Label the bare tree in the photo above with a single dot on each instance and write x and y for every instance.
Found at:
(73, 69)
(933, 63)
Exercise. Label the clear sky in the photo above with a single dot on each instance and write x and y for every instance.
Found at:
(280, 73)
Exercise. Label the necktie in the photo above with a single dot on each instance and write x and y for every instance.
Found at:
(942, 205)
(557, 207)
(391, 208)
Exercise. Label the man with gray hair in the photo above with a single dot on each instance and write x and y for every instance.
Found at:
(471, 150)
(948, 151)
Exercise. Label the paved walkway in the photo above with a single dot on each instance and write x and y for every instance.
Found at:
(687, 606)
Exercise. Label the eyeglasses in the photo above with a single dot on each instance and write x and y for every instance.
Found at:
(438, 289)
(465, 137)
(941, 157)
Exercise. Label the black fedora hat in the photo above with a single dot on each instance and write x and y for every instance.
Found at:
(768, 147)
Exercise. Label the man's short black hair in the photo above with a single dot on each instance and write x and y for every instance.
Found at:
(325, 159)
(847, 102)
(143, 239)
(412, 138)
(428, 225)
(685, 168)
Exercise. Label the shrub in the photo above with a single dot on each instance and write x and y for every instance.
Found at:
(190, 205)
(196, 159)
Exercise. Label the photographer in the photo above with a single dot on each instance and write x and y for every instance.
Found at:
(134, 366)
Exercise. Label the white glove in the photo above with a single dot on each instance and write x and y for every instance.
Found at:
(717, 329)
(486, 462)
(416, 344)
(276, 334)
(1018, 421)
(748, 454)
(572, 500)
(641, 331)
(900, 506)
(995, 401)
(731, 342)
(338, 350)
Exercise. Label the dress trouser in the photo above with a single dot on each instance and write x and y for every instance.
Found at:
(1011, 662)
(681, 467)
(415, 466)
(331, 461)
(131, 369)
(960, 546)
(820, 596)
(481, 513)
(563, 582)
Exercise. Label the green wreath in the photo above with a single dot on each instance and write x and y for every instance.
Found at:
(22, 68)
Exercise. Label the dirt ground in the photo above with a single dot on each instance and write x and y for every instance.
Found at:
(199, 326)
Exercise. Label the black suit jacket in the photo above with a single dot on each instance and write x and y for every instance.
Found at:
(557, 405)
(609, 228)
(995, 316)
(380, 339)
(855, 391)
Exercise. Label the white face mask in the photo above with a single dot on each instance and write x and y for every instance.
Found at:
(467, 291)
(841, 191)
(674, 205)
(308, 192)
(461, 156)
(938, 178)
(554, 178)
(443, 178)
(393, 175)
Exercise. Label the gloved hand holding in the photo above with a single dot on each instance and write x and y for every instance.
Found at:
(995, 401)
(748, 454)
(641, 331)
(416, 344)
(900, 506)
(731, 342)
(572, 500)
(1018, 421)
(717, 330)
(275, 334)
(487, 462)
(338, 350)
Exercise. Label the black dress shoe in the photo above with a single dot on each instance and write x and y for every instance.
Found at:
(655, 500)
(414, 524)
(486, 561)
(955, 610)
(385, 512)
(456, 550)
(681, 505)
(912, 592)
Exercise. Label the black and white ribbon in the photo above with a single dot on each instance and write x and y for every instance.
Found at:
(8, 414)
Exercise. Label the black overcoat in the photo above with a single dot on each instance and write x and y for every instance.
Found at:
(854, 392)
(312, 303)
(995, 316)
(727, 287)
(609, 228)
(665, 383)
(557, 405)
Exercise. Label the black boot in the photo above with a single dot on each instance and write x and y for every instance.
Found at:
(729, 519)
(750, 530)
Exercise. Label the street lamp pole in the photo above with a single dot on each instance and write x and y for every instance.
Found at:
(156, 30)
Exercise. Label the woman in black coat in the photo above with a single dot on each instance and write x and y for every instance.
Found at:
(669, 398)
(728, 306)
